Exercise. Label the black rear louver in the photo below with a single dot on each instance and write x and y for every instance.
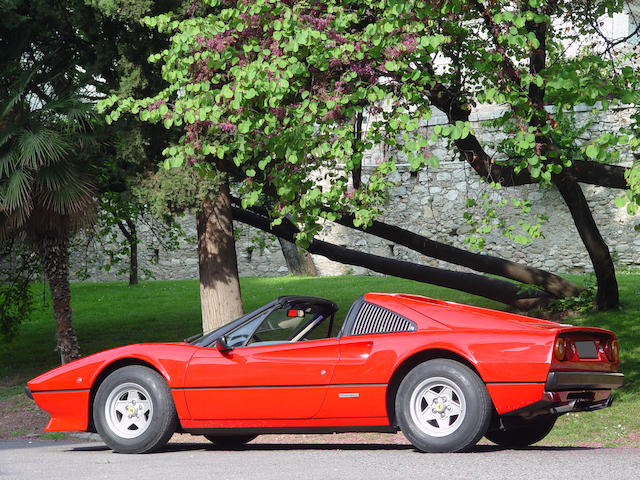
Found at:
(374, 319)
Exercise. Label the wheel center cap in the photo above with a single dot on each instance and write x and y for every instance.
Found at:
(439, 407)
(131, 410)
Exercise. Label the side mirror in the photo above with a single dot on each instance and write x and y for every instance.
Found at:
(222, 345)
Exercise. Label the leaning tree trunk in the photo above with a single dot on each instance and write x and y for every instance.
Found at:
(491, 288)
(54, 257)
(552, 284)
(219, 285)
(299, 263)
(607, 296)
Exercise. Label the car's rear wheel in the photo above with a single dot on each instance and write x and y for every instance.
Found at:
(443, 406)
(519, 432)
(133, 410)
(230, 441)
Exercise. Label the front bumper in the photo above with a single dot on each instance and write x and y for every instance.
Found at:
(28, 393)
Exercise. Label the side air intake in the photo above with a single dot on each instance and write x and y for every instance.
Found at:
(375, 319)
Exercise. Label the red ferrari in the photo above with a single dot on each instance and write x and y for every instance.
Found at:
(443, 373)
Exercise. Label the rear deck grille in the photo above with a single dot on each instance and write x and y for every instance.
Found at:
(374, 319)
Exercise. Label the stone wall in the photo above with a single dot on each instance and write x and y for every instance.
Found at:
(430, 202)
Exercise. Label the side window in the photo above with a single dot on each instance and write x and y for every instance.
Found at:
(291, 324)
(280, 326)
(322, 329)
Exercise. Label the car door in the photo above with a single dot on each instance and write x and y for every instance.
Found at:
(281, 381)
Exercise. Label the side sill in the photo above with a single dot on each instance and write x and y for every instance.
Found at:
(297, 430)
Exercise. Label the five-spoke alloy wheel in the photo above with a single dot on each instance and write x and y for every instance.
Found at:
(128, 410)
(133, 410)
(443, 406)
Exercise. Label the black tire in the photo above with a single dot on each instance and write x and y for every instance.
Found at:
(230, 441)
(445, 387)
(519, 432)
(133, 410)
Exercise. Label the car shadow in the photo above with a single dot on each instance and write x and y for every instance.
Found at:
(192, 446)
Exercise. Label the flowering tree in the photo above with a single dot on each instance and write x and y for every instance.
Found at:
(273, 92)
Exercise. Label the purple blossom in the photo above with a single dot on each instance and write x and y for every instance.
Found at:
(155, 105)
(227, 127)
(193, 8)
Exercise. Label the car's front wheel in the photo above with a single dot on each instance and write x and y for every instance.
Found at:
(133, 410)
(443, 406)
(230, 441)
(519, 432)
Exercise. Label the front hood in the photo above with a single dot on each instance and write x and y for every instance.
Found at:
(170, 359)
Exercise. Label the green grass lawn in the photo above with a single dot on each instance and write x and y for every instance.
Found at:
(111, 314)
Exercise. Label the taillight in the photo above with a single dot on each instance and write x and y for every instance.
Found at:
(560, 349)
(612, 351)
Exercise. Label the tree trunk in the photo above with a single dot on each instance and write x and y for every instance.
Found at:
(491, 288)
(300, 264)
(133, 253)
(356, 174)
(607, 296)
(131, 234)
(219, 285)
(54, 257)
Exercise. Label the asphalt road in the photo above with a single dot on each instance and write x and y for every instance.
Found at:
(39, 459)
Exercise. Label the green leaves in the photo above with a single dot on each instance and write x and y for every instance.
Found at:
(226, 92)
(592, 151)
(274, 91)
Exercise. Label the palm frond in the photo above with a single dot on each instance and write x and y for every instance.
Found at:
(8, 132)
(75, 111)
(8, 163)
(16, 221)
(41, 147)
(72, 193)
(18, 90)
(53, 177)
(15, 191)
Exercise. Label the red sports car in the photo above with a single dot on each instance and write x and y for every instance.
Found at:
(443, 373)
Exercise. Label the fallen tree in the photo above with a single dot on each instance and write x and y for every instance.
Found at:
(511, 294)
(553, 285)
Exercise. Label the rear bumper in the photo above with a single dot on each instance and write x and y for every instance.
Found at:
(563, 381)
(563, 392)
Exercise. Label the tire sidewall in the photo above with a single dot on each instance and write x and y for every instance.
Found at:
(163, 420)
(230, 441)
(521, 433)
(477, 412)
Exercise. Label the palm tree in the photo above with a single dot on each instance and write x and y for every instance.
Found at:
(45, 189)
